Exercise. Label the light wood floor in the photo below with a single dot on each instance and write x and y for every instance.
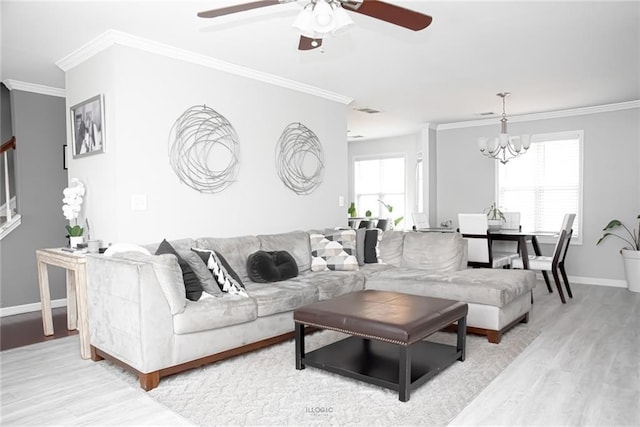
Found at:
(583, 369)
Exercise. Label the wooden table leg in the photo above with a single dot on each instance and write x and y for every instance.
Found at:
(72, 312)
(524, 253)
(83, 321)
(45, 297)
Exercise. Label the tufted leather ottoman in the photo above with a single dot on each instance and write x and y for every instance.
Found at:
(386, 346)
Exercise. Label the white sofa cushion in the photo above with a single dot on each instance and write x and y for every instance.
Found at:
(439, 252)
(278, 297)
(330, 283)
(390, 247)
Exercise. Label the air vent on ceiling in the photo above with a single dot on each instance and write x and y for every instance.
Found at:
(367, 110)
(355, 136)
(485, 114)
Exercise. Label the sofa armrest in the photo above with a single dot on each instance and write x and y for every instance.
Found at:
(129, 315)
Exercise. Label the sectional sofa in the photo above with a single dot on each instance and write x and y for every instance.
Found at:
(139, 316)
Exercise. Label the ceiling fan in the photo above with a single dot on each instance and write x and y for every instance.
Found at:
(323, 18)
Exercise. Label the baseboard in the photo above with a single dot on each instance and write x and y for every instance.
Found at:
(596, 281)
(28, 308)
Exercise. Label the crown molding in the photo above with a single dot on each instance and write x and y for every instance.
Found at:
(546, 115)
(35, 88)
(112, 37)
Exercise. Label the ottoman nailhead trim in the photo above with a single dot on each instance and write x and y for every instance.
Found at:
(355, 333)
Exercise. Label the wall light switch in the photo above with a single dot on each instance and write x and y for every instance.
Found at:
(341, 201)
(139, 202)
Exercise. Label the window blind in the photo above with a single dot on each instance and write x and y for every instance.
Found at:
(545, 183)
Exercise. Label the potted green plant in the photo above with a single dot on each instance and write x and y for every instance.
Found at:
(352, 210)
(630, 253)
(495, 216)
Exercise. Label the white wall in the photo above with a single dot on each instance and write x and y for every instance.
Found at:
(144, 94)
(466, 180)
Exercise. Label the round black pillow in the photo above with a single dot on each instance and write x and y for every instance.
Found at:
(263, 266)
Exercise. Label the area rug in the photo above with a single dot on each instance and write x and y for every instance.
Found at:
(264, 388)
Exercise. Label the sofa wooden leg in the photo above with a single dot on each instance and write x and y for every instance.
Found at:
(149, 381)
(525, 319)
(95, 356)
(494, 337)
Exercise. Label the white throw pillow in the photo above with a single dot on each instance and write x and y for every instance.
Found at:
(125, 247)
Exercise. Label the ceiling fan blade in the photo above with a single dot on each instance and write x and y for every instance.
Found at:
(237, 8)
(390, 13)
(307, 43)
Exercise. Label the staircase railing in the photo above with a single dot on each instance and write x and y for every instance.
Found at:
(9, 222)
(10, 144)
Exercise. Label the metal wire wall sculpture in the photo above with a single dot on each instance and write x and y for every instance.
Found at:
(298, 149)
(192, 140)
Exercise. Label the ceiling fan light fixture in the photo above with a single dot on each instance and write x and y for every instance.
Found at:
(342, 19)
(303, 22)
(321, 19)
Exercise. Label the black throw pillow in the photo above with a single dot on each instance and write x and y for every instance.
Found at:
(370, 245)
(274, 266)
(192, 285)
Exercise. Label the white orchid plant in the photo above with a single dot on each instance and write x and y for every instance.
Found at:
(72, 203)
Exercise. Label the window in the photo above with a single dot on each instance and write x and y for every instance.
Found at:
(380, 179)
(545, 183)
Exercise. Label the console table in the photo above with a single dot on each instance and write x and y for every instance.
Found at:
(77, 318)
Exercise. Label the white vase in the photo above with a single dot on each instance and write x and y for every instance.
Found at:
(74, 240)
(632, 269)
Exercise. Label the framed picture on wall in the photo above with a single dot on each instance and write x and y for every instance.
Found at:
(87, 127)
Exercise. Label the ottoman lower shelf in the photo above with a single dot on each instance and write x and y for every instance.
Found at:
(378, 362)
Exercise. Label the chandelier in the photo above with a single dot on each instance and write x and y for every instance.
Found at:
(504, 147)
(322, 18)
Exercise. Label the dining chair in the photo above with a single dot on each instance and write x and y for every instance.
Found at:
(554, 263)
(420, 220)
(475, 230)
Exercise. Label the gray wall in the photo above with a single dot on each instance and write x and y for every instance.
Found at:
(39, 127)
(611, 182)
